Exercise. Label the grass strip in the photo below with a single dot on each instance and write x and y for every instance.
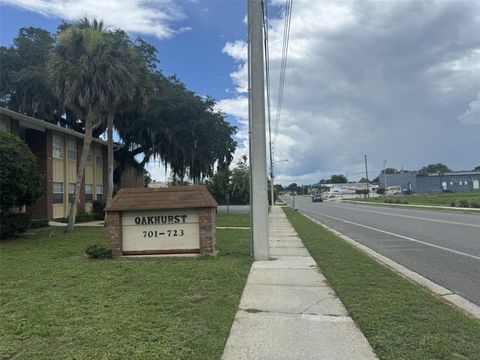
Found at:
(57, 304)
(400, 319)
(423, 207)
(242, 220)
(446, 199)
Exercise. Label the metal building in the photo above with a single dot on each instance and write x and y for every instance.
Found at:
(457, 181)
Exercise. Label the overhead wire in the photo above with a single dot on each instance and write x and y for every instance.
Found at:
(267, 78)
(283, 67)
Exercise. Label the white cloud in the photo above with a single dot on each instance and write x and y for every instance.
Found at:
(472, 115)
(157, 171)
(147, 17)
(238, 51)
(238, 108)
(387, 79)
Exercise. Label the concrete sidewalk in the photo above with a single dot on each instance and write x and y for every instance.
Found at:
(287, 311)
(89, 223)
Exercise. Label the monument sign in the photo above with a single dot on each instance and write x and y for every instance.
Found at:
(174, 220)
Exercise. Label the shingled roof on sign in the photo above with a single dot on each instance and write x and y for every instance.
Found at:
(178, 197)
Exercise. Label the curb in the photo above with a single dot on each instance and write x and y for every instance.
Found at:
(449, 296)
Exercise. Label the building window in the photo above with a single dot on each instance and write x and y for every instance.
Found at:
(451, 182)
(98, 157)
(58, 149)
(71, 192)
(465, 182)
(5, 125)
(460, 183)
(72, 149)
(99, 192)
(88, 192)
(89, 157)
(58, 193)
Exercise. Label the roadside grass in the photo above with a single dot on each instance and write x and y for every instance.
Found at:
(422, 208)
(57, 304)
(400, 319)
(234, 220)
(445, 199)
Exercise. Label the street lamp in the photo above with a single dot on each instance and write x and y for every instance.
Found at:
(271, 179)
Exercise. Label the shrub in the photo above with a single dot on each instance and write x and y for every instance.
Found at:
(12, 224)
(98, 252)
(398, 201)
(98, 209)
(475, 204)
(452, 203)
(463, 203)
(82, 217)
(20, 181)
(38, 223)
(405, 202)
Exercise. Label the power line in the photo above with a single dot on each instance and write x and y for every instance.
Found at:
(283, 66)
(267, 73)
(267, 76)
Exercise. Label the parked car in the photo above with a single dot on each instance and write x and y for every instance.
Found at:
(317, 198)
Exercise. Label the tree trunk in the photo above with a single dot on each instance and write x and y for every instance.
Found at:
(110, 156)
(80, 172)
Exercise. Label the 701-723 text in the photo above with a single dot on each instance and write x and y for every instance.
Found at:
(169, 233)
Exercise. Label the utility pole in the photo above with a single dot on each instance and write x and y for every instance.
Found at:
(366, 176)
(385, 174)
(258, 149)
(271, 177)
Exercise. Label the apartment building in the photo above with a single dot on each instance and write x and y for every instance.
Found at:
(58, 151)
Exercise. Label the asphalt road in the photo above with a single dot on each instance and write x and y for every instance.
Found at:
(442, 246)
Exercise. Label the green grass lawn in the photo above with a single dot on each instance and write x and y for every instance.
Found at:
(400, 319)
(445, 199)
(241, 220)
(57, 304)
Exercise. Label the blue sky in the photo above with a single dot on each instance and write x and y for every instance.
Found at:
(395, 80)
(195, 55)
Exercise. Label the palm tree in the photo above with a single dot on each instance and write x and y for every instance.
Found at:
(84, 72)
(129, 89)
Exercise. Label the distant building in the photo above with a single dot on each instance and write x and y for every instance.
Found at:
(58, 152)
(344, 188)
(158, 184)
(457, 181)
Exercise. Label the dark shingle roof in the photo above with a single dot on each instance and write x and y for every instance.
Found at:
(178, 197)
(29, 121)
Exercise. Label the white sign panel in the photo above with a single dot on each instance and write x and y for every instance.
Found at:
(162, 230)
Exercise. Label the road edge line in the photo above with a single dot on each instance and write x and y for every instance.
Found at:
(449, 296)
